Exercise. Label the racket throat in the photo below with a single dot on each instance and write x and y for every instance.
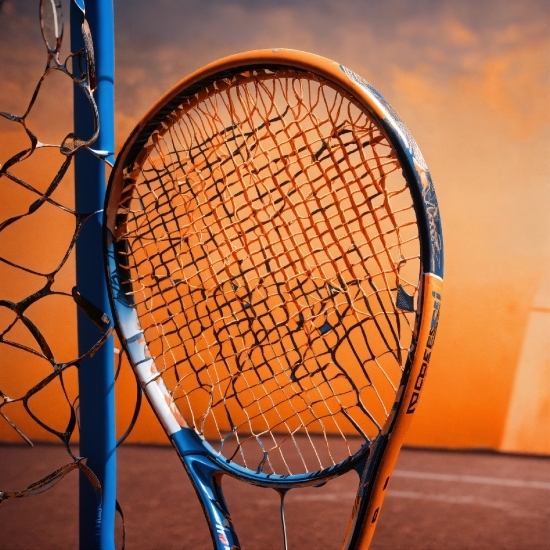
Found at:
(362, 522)
(207, 480)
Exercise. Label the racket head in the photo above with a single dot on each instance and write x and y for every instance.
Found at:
(125, 287)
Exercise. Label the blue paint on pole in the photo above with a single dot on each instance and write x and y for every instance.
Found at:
(96, 374)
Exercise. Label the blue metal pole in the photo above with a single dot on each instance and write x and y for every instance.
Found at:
(96, 374)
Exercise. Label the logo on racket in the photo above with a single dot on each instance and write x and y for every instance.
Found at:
(427, 354)
(220, 529)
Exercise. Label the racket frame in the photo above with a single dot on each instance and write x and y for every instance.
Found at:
(205, 466)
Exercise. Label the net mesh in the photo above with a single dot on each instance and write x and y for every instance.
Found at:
(39, 228)
(272, 252)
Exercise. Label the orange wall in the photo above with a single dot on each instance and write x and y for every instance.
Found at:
(474, 90)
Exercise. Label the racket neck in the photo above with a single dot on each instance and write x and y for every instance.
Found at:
(207, 480)
(359, 525)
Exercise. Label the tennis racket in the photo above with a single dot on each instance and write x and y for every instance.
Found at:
(274, 258)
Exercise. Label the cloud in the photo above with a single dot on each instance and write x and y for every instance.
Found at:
(458, 33)
(516, 84)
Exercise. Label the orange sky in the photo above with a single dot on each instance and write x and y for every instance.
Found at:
(472, 82)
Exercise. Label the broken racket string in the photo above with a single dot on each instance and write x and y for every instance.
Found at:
(267, 230)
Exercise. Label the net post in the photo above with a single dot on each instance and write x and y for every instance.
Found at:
(96, 373)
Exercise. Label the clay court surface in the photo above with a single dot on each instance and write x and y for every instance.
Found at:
(437, 500)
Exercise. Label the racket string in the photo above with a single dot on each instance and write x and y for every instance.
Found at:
(268, 231)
